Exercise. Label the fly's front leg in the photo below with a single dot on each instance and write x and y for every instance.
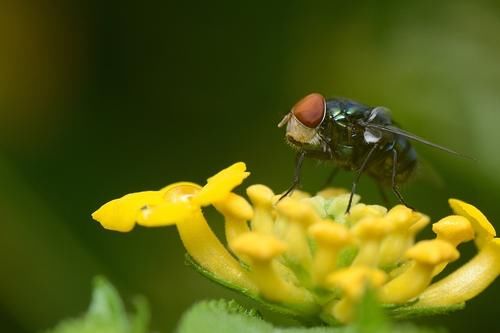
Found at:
(296, 178)
(395, 187)
(358, 175)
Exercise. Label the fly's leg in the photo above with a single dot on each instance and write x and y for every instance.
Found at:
(331, 176)
(296, 178)
(383, 195)
(358, 175)
(395, 187)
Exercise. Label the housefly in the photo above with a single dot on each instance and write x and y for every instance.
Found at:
(356, 137)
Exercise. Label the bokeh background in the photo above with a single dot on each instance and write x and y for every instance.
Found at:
(103, 98)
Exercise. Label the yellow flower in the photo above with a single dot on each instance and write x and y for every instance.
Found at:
(181, 204)
(169, 205)
(303, 255)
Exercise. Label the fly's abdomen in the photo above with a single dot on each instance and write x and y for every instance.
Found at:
(381, 167)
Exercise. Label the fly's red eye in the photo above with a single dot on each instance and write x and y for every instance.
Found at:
(310, 110)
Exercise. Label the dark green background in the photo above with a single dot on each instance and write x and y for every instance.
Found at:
(102, 98)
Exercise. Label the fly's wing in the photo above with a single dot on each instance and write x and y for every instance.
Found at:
(411, 136)
(380, 115)
(427, 173)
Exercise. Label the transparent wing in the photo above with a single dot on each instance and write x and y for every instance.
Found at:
(427, 172)
(411, 136)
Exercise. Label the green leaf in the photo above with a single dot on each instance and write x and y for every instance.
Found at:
(370, 316)
(107, 314)
(414, 310)
(223, 316)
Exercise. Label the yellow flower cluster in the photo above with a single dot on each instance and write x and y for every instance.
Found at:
(305, 254)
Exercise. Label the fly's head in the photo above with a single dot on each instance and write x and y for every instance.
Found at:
(303, 122)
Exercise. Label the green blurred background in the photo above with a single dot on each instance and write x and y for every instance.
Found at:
(103, 98)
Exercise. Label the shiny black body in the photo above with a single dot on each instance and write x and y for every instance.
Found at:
(342, 134)
(357, 138)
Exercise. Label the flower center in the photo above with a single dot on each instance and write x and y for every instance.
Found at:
(180, 192)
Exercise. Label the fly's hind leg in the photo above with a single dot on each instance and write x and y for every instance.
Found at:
(296, 178)
(395, 187)
(358, 176)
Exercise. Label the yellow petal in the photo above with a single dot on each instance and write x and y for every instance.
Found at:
(482, 227)
(206, 249)
(121, 214)
(467, 281)
(167, 213)
(220, 185)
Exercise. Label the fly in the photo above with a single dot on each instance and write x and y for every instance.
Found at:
(357, 137)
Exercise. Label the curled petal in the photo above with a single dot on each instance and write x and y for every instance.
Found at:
(174, 207)
(467, 281)
(482, 227)
(180, 192)
(220, 185)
